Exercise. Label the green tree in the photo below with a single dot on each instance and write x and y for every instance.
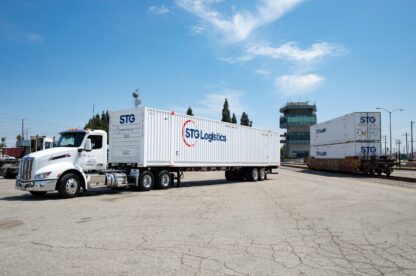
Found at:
(234, 119)
(99, 122)
(245, 121)
(189, 112)
(226, 115)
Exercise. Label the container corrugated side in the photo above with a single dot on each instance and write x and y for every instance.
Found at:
(342, 150)
(357, 126)
(169, 139)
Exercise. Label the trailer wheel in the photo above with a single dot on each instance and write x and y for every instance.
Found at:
(254, 174)
(379, 172)
(163, 180)
(69, 185)
(146, 181)
(388, 172)
(262, 174)
(37, 194)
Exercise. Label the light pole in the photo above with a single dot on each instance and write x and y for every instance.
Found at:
(394, 110)
(411, 138)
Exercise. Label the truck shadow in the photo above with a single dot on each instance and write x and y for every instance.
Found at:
(209, 182)
(105, 191)
(56, 196)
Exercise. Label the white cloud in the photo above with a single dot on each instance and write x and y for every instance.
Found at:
(212, 103)
(289, 51)
(262, 72)
(34, 37)
(298, 84)
(157, 10)
(197, 29)
(240, 24)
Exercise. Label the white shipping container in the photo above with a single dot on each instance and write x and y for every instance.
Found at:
(153, 137)
(357, 126)
(342, 150)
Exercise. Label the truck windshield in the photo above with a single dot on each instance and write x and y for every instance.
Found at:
(71, 139)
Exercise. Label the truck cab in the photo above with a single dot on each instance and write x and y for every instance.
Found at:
(68, 167)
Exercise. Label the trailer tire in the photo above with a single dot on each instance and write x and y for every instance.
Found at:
(254, 174)
(69, 185)
(163, 180)
(388, 172)
(146, 181)
(262, 174)
(37, 194)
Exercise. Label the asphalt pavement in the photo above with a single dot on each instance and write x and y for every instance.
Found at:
(295, 223)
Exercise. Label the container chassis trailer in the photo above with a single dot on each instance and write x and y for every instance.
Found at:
(354, 164)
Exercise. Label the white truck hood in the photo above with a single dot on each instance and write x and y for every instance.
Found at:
(53, 152)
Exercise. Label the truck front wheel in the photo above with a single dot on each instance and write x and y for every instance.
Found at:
(69, 185)
(146, 181)
(163, 180)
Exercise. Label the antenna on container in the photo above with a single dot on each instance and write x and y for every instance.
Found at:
(136, 96)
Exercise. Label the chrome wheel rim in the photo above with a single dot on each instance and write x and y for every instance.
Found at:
(71, 186)
(164, 180)
(147, 181)
(262, 174)
(255, 174)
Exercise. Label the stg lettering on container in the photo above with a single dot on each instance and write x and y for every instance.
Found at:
(366, 150)
(127, 119)
(368, 119)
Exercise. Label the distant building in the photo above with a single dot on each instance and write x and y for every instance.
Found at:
(297, 117)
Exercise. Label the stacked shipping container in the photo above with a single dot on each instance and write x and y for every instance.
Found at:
(355, 134)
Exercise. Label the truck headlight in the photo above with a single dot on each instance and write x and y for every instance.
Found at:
(42, 176)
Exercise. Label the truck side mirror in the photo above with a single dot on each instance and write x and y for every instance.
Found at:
(87, 145)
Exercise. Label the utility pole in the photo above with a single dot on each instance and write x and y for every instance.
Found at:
(389, 111)
(411, 138)
(407, 147)
(385, 144)
(398, 148)
(93, 111)
(23, 127)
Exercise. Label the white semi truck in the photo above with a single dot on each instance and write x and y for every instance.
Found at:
(148, 148)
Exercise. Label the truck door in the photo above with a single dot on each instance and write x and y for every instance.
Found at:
(95, 160)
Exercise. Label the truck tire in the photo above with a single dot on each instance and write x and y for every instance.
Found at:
(254, 174)
(69, 185)
(163, 180)
(146, 181)
(37, 194)
(262, 174)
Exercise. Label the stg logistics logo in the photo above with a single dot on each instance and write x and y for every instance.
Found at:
(191, 134)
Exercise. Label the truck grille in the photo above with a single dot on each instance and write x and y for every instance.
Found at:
(25, 168)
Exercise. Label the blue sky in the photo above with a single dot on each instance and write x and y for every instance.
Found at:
(59, 58)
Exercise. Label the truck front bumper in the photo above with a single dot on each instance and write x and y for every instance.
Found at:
(47, 185)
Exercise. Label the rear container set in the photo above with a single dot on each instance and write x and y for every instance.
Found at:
(350, 143)
(148, 149)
